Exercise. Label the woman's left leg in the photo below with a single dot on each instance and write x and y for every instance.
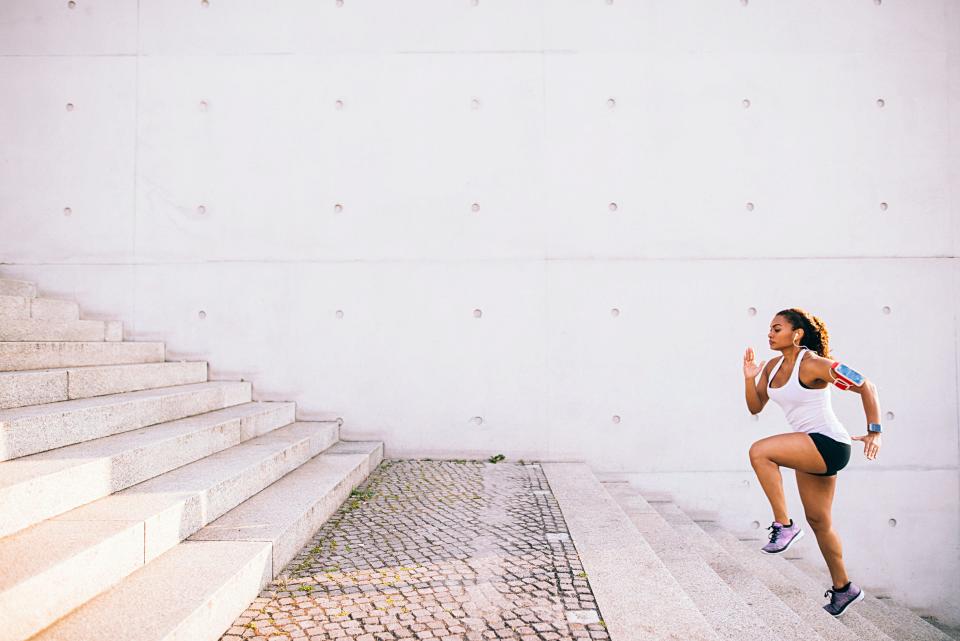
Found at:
(816, 494)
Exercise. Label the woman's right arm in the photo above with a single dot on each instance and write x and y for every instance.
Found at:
(756, 392)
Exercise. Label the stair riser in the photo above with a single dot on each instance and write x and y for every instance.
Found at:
(37, 330)
(21, 389)
(87, 383)
(45, 309)
(18, 356)
(32, 434)
(32, 605)
(17, 288)
(54, 310)
(14, 308)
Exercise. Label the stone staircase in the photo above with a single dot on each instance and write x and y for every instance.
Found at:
(138, 499)
(660, 575)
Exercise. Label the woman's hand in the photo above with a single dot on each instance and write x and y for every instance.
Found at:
(871, 444)
(751, 369)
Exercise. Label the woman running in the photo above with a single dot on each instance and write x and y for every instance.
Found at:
(799, 381)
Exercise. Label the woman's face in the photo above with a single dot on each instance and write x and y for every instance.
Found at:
(781, 333)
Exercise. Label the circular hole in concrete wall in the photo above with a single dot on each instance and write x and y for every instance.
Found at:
(883, 206)
(877, 2)
(475, 103)
(890, 416)
(755, 417)
(339, 313)
(339, 3)
(338, 105)
(755, 525)
(746, 103)
(609, 1)
(475, 207)
(475, 3)
(204, 3)
(612, 206)
(611, 103)
(886, 309)
(338, 208)
(202, 315)
(72, 4)
(751, 311)
(203, 105)
(881, 102)
(69, 106)
(892, 522)
(477, 313)
(477, 420)
(67, 211)
(201, 210)
(614, 312)
(746, 483)
(616, 418)
(749, 206)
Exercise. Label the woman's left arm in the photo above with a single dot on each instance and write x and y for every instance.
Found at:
(871, 403)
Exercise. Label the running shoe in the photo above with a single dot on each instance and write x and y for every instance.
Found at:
(841, 600)
(781, 537)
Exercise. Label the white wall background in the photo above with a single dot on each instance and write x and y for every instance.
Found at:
(232, 107)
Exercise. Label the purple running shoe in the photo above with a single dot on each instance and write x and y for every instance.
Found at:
(782, 537)
(840, 600)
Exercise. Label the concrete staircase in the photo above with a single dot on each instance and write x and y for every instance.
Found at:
(708, 584)
(138, 499)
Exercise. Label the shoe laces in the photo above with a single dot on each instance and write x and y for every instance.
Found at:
(775, 533)
(831, 593)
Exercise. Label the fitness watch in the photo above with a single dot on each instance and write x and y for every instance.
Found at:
(874, 427)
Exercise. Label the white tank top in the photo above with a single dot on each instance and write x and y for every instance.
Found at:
(807, 410)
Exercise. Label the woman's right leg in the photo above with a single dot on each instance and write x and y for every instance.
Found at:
(794, 450)
(816, 494)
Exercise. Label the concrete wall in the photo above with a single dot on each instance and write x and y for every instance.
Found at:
(339, 189)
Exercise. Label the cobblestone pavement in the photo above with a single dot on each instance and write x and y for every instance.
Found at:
(447, 550)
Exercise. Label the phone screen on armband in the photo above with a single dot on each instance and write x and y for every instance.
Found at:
(854, 376)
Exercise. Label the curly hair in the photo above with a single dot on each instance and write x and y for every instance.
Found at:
(815, 335)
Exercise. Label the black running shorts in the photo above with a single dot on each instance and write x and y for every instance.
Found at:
(835, 454)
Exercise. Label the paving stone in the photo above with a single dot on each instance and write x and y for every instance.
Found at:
(435, 550)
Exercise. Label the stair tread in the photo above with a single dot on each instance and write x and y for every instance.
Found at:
(644, 603)
(723, 608)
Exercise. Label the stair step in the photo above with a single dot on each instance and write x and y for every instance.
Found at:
(850, 627)
(38, 428)
(723, 609)
(290, 511)
(91, 548)
(20, 389)
(37, 487)
(896, 621)
(17, 288)
(765, 603)
(56, 330)
(23, 308)
(638, 596)
(21, 355)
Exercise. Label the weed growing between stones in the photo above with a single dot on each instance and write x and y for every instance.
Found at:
(496, 458)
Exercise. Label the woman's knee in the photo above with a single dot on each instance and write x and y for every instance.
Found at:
(819, 521)
(758, 453)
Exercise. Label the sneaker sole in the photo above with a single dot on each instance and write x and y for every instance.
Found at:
(847, 606)
(787, 546)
